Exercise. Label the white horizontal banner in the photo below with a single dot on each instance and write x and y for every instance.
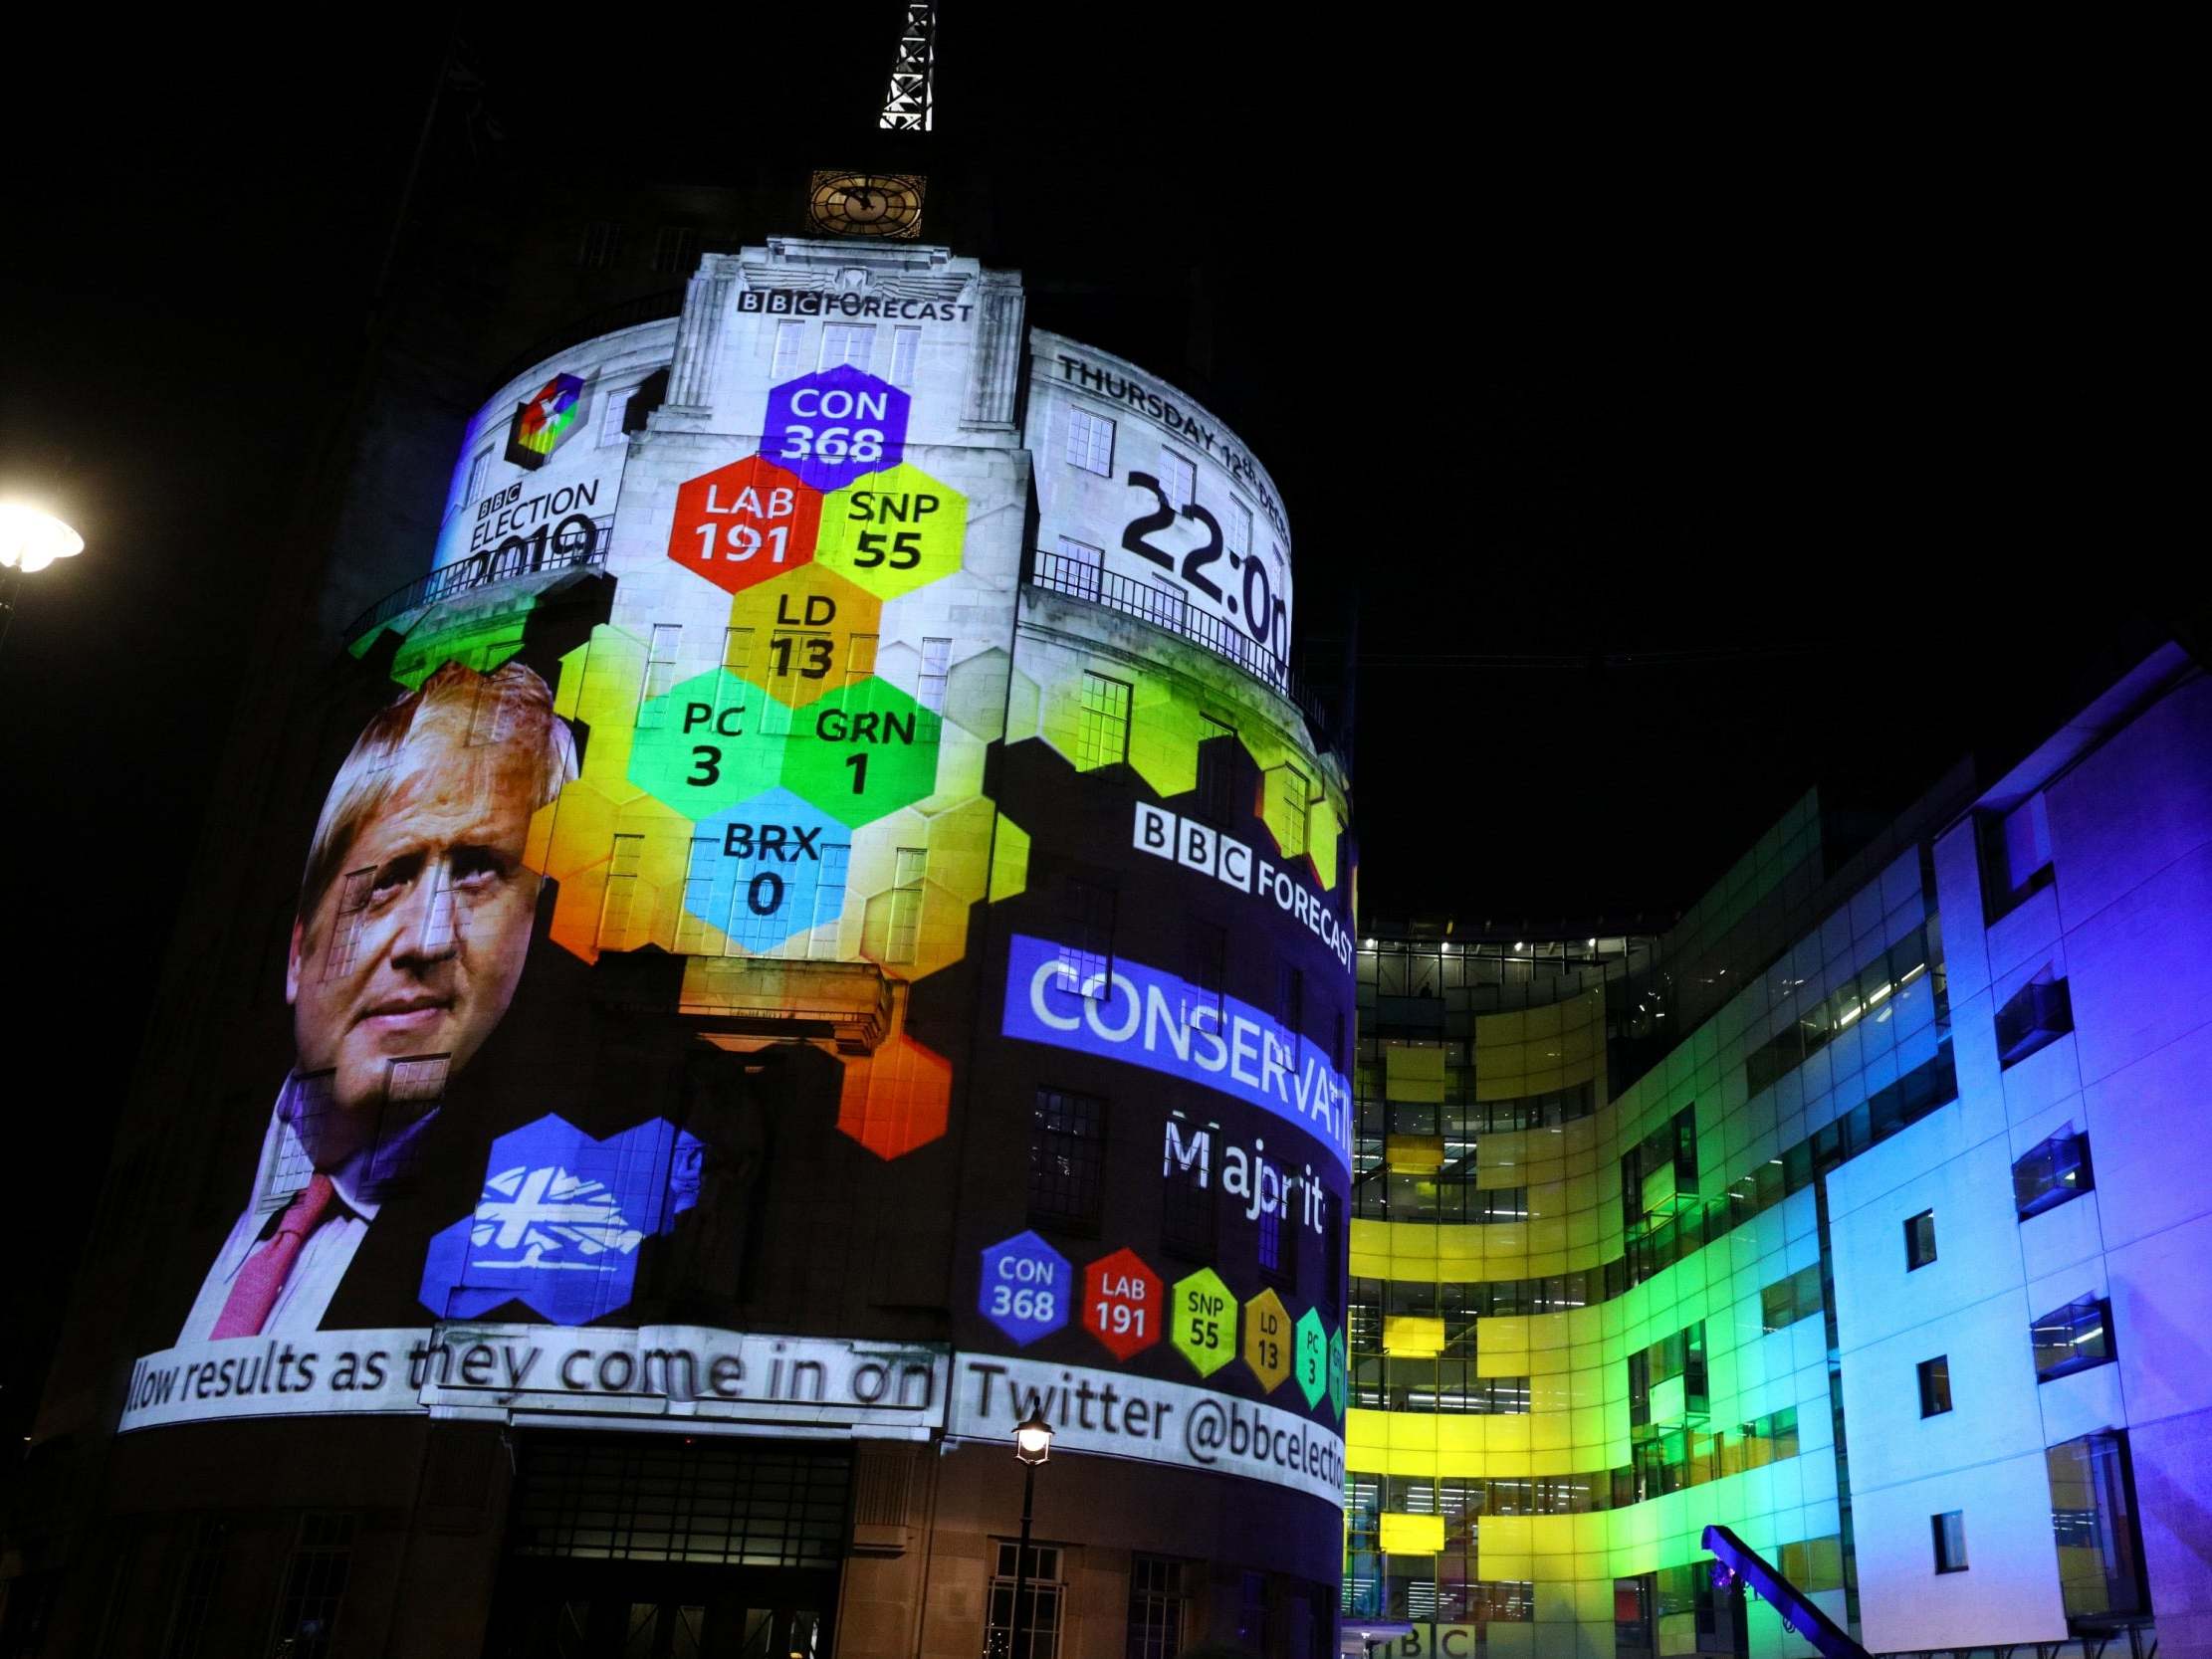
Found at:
(676, 1376)
(1118, 1415)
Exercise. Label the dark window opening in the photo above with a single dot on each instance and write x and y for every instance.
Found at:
(1067, 1157)
(2048, 1174)
(1936, 1385)
(2075, 1338)
(1949, 1530)
(2037, 1014)
(1919, 1241)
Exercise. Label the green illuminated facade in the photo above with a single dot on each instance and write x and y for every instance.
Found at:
(1586, 1312)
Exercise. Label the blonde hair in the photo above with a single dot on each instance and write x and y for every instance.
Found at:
(455, 709)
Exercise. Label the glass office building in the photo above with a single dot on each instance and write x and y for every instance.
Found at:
(1861, 1211)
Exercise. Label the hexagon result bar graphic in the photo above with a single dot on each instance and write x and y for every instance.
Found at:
(744, 524)
(832, 427)
(1123, 1303)
(893, 531)
(1267, 1340)
(1027, 1288)
(1204, 1322)
(1312, 1347)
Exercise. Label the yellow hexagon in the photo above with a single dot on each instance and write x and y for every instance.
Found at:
(976, 692)
(893, 531)
(603, 682)
(802, 635)
(1267, 1340)
(632, 894)
(1009, 860)
(960, 848)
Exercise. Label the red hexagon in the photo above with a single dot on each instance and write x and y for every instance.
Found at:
(1124, 1304)
(897, 1099)
(744, 523)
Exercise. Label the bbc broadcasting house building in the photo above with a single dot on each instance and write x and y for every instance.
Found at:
(825, 931)
(1865, 1212)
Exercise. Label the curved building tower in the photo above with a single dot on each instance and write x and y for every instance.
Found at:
(812, 928)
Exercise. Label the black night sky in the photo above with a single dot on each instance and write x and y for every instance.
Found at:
(1684, 423)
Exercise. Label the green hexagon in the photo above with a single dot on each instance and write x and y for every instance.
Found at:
(1202, 1324)
(707, 744)
(892, 532)
(1338, 1380)
(1310, 1343)
(863, 751)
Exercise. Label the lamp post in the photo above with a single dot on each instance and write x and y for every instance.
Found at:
(1032, 1445)
(30, 540)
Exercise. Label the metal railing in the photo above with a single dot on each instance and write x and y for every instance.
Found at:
(1171, 611)
(565, 547)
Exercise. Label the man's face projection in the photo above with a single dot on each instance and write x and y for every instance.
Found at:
(415, 949)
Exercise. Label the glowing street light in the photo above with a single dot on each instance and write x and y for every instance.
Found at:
(31, 540)
(1032, 1445)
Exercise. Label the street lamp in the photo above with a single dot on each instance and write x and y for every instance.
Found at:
(30, 540)
(1032, 1445)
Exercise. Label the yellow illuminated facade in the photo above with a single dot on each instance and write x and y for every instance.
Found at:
(1587, 1316)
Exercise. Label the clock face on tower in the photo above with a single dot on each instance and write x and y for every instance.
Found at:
(865, 204)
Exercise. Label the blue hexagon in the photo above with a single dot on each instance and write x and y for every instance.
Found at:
(832, 427)
(1027, 1288)
(766, 869)
(560, 1220)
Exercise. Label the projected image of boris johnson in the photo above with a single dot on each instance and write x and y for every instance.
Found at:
(413, 923)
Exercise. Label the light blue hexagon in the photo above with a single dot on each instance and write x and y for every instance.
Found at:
(766, 869)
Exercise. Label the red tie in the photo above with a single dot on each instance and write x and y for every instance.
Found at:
(265, 1272)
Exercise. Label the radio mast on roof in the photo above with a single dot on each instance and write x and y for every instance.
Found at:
(907, 106)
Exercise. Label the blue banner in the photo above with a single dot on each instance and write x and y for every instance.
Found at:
(1146, 1016)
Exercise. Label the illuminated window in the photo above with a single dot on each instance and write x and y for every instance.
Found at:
(1218, 750)
(905, 905)
(906, 353)
(1179, 480)
(675, 249)
(2048, 1174)
(345, 928)
(477, 469)
(1090, 442)
(736, 651)
(1067, 1156)
(1038, 1617)
(1919, 1241)
(614, 412)
(820, 941)
(2092, 1514)
(2014, 849)
(713, 1501)
(693, 919)
(2034, 1016)
(1102, 730)
(1287, 807)
(1949, 1530)
(1936, 1385)
(847, 343)
(660, 671)
(2073, 1338)
(1157, 1606)
(1785, 1302)
(313, 1594)
(1236, 528)
(1077, 570)
(791, 347)
(937, 655)
(616, 903)
(1086, 928)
